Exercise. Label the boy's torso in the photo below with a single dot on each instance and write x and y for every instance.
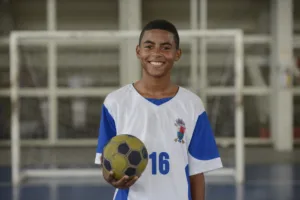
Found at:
(166, 130)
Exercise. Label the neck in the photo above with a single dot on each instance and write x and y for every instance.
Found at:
(155, 85)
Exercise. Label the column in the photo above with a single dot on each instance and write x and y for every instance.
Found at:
(129, 19)
(281, 64)
(203, 52)
(52, 75)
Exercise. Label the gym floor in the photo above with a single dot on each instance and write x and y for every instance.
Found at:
(268, 177)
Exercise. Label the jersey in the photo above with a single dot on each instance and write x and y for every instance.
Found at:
(176, 132)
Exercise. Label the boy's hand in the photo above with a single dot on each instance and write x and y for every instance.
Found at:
(124, 183)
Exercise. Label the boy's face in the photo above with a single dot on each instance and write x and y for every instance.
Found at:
(157, 52)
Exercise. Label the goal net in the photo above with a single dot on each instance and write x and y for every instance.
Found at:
(60, 79)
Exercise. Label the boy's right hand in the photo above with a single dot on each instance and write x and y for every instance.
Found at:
(124, 183)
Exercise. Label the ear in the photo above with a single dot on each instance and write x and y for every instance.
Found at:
(138, 50)
(178, 54)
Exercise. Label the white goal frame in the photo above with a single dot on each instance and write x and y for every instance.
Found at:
(52, 92)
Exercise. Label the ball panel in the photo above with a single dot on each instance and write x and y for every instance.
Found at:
(107, 165)
(110, 149)
(118, 174)
(130, 171)
(123, 148)
(134, 158)
(119, 162)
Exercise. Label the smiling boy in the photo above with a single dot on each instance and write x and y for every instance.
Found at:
(169, 119)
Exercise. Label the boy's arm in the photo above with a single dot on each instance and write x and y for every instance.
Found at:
(197, 187)
(203, 156)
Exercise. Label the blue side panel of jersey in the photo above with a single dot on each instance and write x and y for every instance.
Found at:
(187, 173)
(203, 145)
(122, 194)
(159, 102)
(107, 129)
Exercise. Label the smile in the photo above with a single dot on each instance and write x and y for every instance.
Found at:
(156, 63)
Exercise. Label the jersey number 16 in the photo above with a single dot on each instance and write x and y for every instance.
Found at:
(162, 161)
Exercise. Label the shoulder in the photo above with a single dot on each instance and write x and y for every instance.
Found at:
(118, 96)
(192, 99)
(186, 93)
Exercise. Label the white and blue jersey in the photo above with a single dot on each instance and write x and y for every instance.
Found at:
(177, 135)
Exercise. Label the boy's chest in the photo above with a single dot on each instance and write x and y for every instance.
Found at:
(162, 130)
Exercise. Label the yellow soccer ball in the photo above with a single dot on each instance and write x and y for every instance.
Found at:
(125, 155)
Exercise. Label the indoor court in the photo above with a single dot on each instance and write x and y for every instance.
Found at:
(267, 178)
(59, 59)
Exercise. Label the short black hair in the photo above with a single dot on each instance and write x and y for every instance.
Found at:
(162, 25)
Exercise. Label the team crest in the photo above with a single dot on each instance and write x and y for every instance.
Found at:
(180, 125)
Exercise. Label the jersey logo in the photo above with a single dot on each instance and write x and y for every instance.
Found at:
(180, 125)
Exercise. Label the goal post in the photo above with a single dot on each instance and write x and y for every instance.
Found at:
(52, 92)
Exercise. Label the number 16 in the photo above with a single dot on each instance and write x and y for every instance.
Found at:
(163, 163)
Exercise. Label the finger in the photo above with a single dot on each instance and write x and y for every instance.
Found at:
(111, 176)
(132, 181)
(122, 182)
(106, 176)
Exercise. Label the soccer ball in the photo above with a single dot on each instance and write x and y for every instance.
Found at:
(125, 155)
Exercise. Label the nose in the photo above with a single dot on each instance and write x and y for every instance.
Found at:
(156, 51)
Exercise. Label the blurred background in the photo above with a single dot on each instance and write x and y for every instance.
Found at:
(62, 84)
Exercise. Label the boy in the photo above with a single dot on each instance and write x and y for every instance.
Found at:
(169, 119)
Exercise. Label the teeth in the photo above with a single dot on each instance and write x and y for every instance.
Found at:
(156, 63)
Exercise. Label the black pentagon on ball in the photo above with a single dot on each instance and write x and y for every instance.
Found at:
(144, 153)
(134, 158)
(130, 171)
(107, 165)
(123, 148)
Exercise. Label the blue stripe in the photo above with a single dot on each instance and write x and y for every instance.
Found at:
(107, 129)
(203, 145)
(122, 194)
(187, 173)
(159, 102)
